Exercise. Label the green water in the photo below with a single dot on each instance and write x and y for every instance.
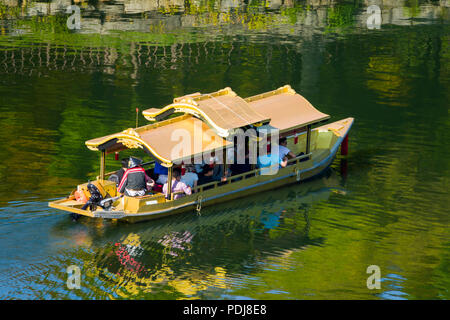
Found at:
(385, 204)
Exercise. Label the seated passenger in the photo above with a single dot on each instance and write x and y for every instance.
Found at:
(199, 167)
(161, 172)
(220, 172)
(135, 181)
(199, 164)
(270, 163)
(283, 150)
(238, 168)
(177, 185)
(190, 178)
(206, 176)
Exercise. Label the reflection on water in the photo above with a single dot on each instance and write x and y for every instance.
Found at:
(385, 204)
(200, 256)
(394, 282)
(220, 17)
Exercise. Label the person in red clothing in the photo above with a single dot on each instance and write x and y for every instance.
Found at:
(135, 181)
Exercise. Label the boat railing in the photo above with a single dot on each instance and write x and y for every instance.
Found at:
(300, 158)
(246, 175)
(231, 179)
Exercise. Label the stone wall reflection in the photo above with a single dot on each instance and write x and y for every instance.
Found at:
(170, 33)
(283, 16)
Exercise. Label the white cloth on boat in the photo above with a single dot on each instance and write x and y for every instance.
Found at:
(135, 193)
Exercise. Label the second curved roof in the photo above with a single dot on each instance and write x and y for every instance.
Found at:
(223, 111)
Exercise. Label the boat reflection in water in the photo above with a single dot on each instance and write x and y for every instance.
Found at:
(182, 256)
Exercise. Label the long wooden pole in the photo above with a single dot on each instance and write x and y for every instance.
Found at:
(225, 164)
(169, 182)
(102, 165)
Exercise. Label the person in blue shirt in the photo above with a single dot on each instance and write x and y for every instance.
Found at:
(270, 163)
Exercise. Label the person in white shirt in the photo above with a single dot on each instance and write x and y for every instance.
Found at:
(178, 186)
(284, 151)
(190, 178)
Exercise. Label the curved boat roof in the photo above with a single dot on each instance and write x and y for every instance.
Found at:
(224, 111)
(168, 141)
(286, 109)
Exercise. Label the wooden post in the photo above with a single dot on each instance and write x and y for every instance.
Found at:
(308, 139)
(225, 154)
(169, 182)
(102, 164)
(344, 146)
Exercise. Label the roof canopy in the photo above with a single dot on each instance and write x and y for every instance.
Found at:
(224, 111)
(286, 109)
(168, 141)
(208, 119)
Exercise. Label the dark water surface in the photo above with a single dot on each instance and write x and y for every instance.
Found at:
(385, 204)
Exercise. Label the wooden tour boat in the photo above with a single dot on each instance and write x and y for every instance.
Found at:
(212, 119)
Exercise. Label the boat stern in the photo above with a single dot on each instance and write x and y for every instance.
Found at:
(70, 204)
(78, 198)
